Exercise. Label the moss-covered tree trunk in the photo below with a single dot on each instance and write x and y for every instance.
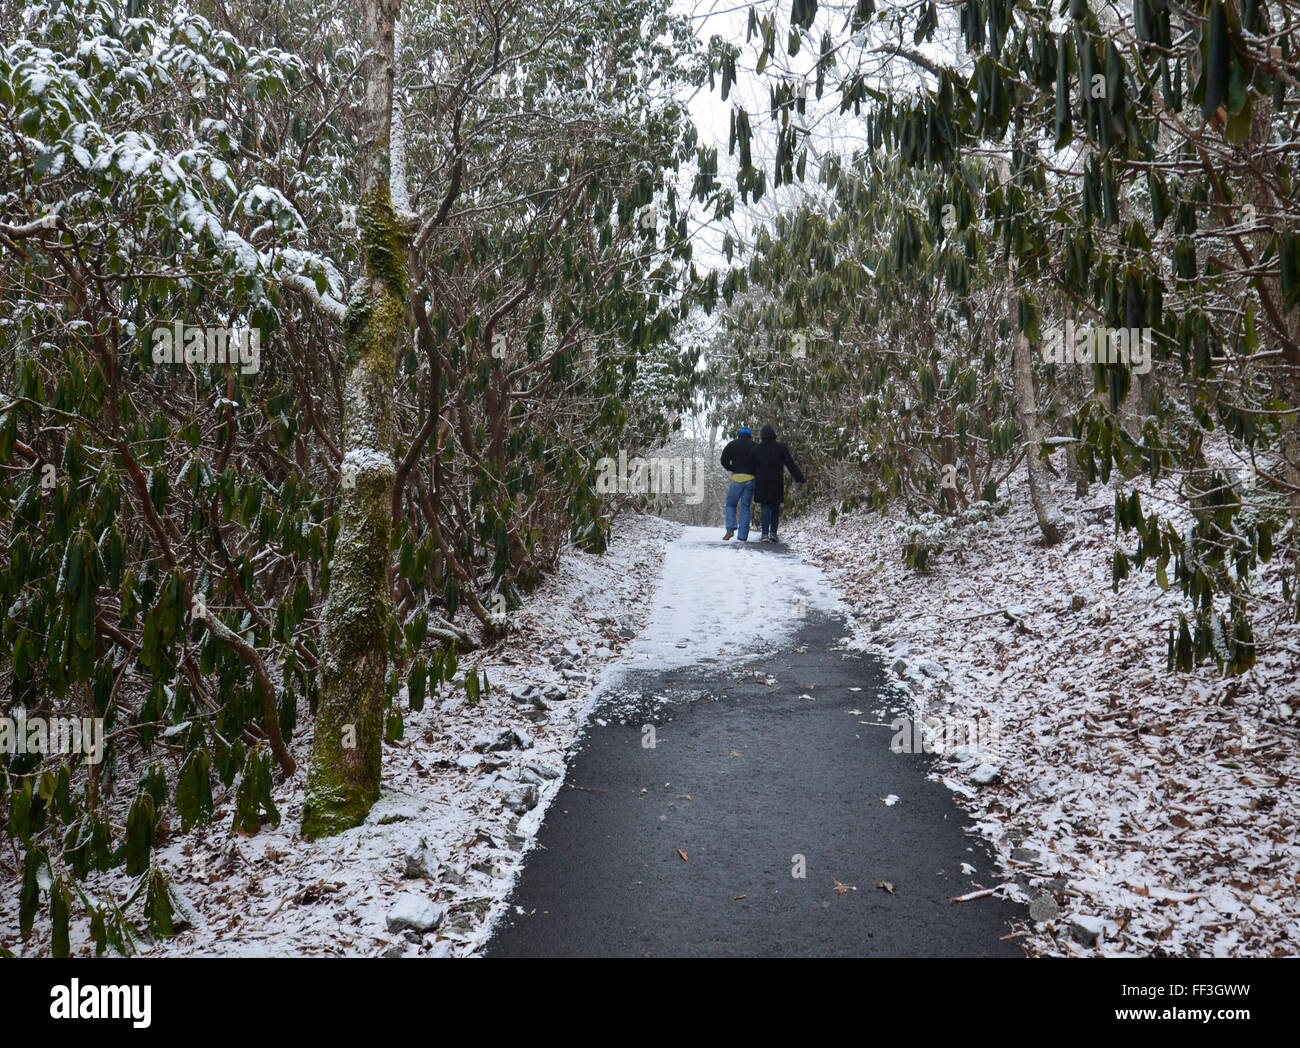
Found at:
(344, 777)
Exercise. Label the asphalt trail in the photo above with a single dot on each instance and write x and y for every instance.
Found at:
(754, 782)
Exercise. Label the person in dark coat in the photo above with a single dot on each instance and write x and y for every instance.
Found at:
(771, 460)
(738, 460)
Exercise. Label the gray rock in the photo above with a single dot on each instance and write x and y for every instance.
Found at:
(1086, 929)
(1078, 601)
(985, 775)
(415, 913)
(396, 950)
(965, 753)
(463, 922)
(494, 868)
(572, 650)
(898, 667)
(505, 739)
(603, 652)
(932, 669)
(544, 770)
(419, 861)
(452, 876)
(521, 799)
(532, 697)
(1043, 908)
(537, 717)
(573, 675)
(1025, 854)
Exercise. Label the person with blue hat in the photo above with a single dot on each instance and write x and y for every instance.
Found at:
(738, 459)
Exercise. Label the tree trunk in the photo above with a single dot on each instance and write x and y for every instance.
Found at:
(344, 778)
(1049, 518)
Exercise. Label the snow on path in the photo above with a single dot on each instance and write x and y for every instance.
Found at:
(726, 600)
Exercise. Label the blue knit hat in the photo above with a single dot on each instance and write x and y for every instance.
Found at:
(745, 431)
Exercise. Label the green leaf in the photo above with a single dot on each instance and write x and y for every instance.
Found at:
(60, 911)
(416, 683)
(158, 905)
(138, 840)
(29, 894)
(194, 789)
(1217, 58)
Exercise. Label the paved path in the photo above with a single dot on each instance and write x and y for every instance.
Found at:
(755, 782)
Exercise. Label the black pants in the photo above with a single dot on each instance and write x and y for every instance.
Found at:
(771, 517)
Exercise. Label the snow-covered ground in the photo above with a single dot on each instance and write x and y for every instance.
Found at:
(464, 794)
(1156, 809)
(1140, 812)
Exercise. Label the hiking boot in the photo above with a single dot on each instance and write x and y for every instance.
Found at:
(728, 535)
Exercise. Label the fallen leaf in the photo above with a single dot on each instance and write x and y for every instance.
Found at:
(737, 898)
(683, 855)
(886, 886)
(733, 753)
(891, 800)
(841, 888)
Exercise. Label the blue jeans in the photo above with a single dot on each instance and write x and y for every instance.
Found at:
(742, 492)
(771, 513)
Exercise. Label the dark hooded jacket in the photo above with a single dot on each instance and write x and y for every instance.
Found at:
(772, 458)
(738, 455)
